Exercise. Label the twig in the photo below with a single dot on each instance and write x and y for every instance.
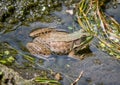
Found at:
(74, 83)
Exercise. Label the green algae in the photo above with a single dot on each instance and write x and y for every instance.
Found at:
(7, 54)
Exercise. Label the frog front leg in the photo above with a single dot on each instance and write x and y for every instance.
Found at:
(75, 55)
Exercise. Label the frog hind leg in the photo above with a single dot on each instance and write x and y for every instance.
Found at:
(38, 49)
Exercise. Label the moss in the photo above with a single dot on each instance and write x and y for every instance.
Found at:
(11, 9)
(12, 21)
(25, 11)
(1, 25)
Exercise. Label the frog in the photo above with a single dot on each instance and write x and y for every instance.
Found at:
(48, 41)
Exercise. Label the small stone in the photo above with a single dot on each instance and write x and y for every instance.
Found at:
(58, 76)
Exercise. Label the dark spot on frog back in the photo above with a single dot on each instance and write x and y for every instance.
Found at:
(41, 31)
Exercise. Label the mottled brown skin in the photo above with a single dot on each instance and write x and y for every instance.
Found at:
(44, 44)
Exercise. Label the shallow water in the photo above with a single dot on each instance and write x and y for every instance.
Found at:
(99, 68)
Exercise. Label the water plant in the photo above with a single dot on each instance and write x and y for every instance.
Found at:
(104, 28)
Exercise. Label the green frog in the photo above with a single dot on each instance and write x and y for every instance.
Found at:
(49, 41)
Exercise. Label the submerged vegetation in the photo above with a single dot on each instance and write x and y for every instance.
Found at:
(8, 57)
(104, 28)
(7, 54)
